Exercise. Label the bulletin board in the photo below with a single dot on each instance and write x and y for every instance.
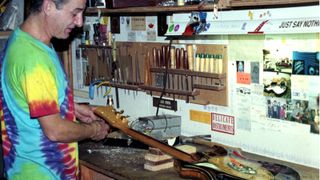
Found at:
(274, 122)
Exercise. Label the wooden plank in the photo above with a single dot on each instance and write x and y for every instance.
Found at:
(152, 9)
(253, 3)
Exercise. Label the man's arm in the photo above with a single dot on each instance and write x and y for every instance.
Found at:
(60, 130)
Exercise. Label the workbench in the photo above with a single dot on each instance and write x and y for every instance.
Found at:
(98, 161)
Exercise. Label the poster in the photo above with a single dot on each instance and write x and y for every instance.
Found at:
(222, 123)
(138, 23)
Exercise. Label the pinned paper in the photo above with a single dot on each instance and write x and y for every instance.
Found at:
(243, 78)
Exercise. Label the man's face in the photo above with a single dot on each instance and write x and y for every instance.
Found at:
(63, 20)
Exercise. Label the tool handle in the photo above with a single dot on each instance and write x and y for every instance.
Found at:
(181, 58)
(185, 60)
(155, 57)
(159, 58)
(178, 58)
(163, 56)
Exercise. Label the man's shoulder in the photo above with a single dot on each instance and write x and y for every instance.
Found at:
(26, 47)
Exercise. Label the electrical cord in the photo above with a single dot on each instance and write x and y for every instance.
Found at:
(166, 120)
(164, 78)
(142, 125)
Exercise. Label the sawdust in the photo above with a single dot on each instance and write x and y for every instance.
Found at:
(114, 156)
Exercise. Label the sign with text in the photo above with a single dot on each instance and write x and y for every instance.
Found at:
(165, 103)
(138, 23)
(222, 123)
(243, 78)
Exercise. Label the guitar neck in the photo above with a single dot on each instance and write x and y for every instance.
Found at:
(162, 146)
(114, 119)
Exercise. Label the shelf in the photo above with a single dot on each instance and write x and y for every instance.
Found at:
(189, 73)
(125, 86)
(195, 92)
(150, 10)
(214, 88)
(222, 5)
(269, 3)
(94, 46)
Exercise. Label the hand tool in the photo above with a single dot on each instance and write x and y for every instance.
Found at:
(207, 63)
(172, 58)
(137, 64)
(163, 56)
(220, 64)
(168, 62)
(130, 74)
(185, 60)
(190, 57)
(159, 57)
(211, 59)
(202, 63)
(177, 58)
(155, 57)
(197, 62)
(181, 60)
(147, 75)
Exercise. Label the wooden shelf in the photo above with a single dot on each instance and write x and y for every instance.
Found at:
(125, 86)
(269, 3)
(223, 5)
(189, 73)
(150, 10)
(94, 46)
(214, 88)
(171, 91)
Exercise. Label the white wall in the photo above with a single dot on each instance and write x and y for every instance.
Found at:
(254, 132)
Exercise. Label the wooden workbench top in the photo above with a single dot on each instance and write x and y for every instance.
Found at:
(128, 163)
(120, 162)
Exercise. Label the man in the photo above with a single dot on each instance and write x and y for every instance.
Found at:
(39, 130)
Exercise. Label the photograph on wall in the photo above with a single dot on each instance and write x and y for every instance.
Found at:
(277, 108)
(304, 112)
(240, 66)
(255, 72)
(277, 84)
(305, 63)
(298, 111)
(275, 60)
(243, 72)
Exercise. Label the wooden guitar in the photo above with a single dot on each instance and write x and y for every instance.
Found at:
(222, 164)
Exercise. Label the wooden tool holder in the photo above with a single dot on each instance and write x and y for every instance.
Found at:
(135, 68)
(100, 62)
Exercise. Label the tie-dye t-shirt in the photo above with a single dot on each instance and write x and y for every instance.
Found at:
(33, 84)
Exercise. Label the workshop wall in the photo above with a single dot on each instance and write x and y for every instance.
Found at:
(258, 118)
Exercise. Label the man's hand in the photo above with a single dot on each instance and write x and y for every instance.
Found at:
(101, 130)
(85, 113)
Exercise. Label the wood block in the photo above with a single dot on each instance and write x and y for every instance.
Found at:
(155, 151)
(156, 158)
(187, 148)
(158, 167)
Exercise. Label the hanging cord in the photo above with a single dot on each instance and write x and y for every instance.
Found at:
(165, 76)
